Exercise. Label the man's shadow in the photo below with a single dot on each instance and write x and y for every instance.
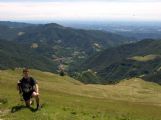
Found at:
(20, 107)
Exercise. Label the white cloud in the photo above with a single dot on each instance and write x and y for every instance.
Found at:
(80, 10)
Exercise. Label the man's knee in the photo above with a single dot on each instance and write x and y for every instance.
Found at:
(34, 94)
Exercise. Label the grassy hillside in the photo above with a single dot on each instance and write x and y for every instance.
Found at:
(11, 30)
(64, 98)
(126, 61)
(15, 55)
(123, 52)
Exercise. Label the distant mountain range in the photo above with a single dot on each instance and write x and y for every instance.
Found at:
(91, 56)
(141, 59)
(136, 30)
(49, 45)
(15, 24)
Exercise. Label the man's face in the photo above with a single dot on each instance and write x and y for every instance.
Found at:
(26, 73)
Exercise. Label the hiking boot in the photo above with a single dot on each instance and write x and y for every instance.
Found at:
(38, 107)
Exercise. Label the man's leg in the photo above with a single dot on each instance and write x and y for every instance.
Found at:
(36, 96)
(26, 98)
(27, 103)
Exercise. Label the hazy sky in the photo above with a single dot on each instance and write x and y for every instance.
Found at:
(80, 10)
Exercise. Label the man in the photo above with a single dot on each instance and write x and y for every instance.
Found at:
(28, 87)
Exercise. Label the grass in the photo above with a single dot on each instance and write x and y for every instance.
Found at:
(64, 98)
(145, 58)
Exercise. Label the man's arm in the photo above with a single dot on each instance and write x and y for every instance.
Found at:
(35, 85)
(37, 88)
(19, 87)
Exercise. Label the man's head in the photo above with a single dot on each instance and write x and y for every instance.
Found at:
(26, 72)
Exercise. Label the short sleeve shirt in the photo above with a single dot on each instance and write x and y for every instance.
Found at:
(27, 84)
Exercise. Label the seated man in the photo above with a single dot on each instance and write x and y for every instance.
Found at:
(29, 88)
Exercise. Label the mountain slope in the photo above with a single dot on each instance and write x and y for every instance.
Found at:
(71, 37)
(9, 33)
(15, 24)
(126, 61)
(11, 30)
(15, 55)
(66, 98)
(62, 45)
(55, 37)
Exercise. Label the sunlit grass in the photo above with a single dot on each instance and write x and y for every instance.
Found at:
(145, 58)
(67, 99)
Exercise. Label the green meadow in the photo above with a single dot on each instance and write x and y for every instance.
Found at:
(64, 98)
